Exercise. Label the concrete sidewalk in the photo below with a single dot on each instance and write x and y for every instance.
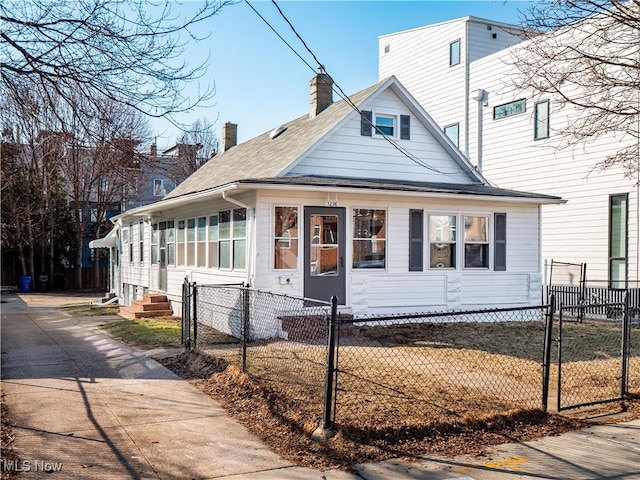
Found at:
(86, 406)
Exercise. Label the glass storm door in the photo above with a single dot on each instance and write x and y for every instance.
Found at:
(324, 273)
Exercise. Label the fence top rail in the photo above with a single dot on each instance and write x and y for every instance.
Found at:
(241, 286)
(452, 313)
(590, 305)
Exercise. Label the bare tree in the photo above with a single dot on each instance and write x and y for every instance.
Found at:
(129, 51)
(586, 54)
(198, 144)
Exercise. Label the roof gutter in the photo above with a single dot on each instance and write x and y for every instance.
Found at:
(380, 191)
(177, 201)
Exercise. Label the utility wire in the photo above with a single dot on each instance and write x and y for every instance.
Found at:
(340, 92)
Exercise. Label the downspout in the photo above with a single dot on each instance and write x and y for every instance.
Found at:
(250, 234)
(466, 88)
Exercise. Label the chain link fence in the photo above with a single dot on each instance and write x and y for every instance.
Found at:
(279, 339)
(445, 366)
(410, 370)
(598, 353)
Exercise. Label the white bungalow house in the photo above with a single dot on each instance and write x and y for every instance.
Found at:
(372, 203)
(462, 72)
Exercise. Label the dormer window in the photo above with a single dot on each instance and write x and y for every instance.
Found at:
(385, 124)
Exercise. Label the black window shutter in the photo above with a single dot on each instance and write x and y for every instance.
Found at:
(366, 120)
(405, 127)
(500, 242)
(416, 236)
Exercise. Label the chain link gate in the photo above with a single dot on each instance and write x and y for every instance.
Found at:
(593, 354)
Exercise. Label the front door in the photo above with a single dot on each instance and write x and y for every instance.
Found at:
(324, 272)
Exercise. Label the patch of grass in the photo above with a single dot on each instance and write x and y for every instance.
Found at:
(147, 332)
(86, 310)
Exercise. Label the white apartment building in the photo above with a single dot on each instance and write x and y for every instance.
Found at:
(462, 73)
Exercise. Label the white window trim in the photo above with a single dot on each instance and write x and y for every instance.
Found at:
(489, 242)
(396, 125)
(350, 238)
(430, 214)
(300, 236)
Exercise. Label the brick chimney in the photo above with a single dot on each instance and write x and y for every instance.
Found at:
(229, 136)
(154, 150)
(321, 92)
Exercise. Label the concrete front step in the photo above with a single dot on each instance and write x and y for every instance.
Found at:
(151, 305)
(126, 312)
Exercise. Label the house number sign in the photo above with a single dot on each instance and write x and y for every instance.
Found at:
(332, 203)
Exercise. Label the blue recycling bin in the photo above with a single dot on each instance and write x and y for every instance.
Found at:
(25, 283)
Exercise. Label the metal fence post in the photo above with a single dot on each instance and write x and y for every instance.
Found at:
(546, 362)
(194, 315)
(327, 422)
(245, 326)
(624, 368)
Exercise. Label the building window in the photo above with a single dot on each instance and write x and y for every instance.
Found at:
(385, 125)
(369, 238)
(541, 120)
(171, 242)
(618, 234)
(499, 242)
(416, 240)
(476, 242)
(125, 243)
(131, 243)
(285, 252)
(213, 242)
(201, 247)
(162, 186)
(180, 242)
(454, 53)
(232, 233)
(141, 241)
(239, 239)
(453, 132)
(509, 109)
(154, 244)
(191, 242)
(442, 241)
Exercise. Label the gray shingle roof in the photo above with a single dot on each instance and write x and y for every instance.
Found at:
(263, 157)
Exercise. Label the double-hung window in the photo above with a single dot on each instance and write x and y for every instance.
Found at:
(213, 241)
(285, 252)
(180, 242)
(201, 246)
(442, 241)
(369, 238)
(618, 233)
(385, 125)
(171, 242)
(476, 241)
(141, 241)
(191, 242)
(131, 243)
(154, 244)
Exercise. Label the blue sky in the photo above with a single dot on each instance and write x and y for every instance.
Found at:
(260, 83)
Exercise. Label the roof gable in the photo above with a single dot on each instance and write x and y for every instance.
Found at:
(265, 157)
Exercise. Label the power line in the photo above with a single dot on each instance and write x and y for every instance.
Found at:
(341, 92)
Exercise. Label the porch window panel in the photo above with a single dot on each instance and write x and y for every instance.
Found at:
(212, 261)
(154, 244)
(286, 238)
(191, 242)
(239, 254)
(171, 239)
(201, 236)
(180, 242)
(225, 254)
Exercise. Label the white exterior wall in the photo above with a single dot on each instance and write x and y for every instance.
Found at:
(578, 231)
(395, 289)
(348, 154)
(419, 58)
